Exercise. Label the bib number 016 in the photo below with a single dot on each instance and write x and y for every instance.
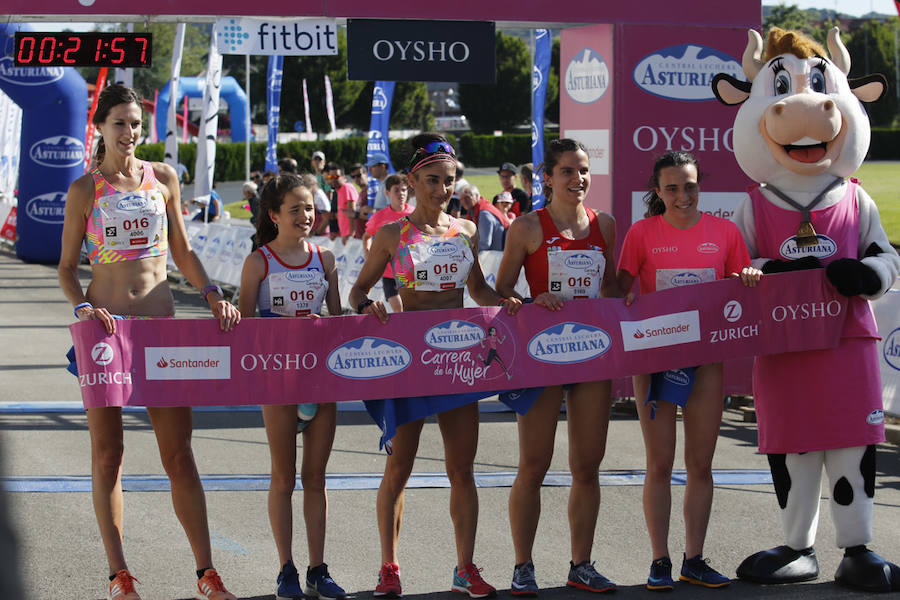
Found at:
(128, 224)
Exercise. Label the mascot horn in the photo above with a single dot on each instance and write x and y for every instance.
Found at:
(800, 133)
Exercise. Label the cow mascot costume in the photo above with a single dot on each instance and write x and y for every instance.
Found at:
(800, 133)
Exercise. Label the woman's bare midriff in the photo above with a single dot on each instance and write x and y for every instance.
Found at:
(133, 287)
(413, 300)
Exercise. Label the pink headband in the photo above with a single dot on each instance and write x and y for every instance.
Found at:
(432, 158)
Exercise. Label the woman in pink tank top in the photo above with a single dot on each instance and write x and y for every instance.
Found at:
(133, 283)
(675, 240)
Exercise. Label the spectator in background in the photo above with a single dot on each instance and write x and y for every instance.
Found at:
(461, 181)
(318, 168)
(359, 177)
(521, 200)
(287, 165)
(526, 175)
(214, 205)
(251, 195)
(469, 198)
(321, 203)
(344, 200)
(267, 177)
(378, 169)
(493, 221)
(397, 189)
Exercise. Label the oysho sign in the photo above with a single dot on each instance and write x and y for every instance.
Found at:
(285, 37)
(407, 50)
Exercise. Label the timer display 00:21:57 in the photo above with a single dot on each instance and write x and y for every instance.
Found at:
(83, 49)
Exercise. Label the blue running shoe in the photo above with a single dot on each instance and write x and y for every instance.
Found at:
(288, 583)
(523, 583)
(660, 579)
(319, 584)
(584, 576)
(697, 571)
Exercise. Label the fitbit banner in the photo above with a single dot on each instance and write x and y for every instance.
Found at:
(51, 141)
(172, 362)
(410, 50)
(276, 37)
(273, 108)
(540, 73)
(382, 97)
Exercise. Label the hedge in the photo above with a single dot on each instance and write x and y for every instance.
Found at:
(473, 150)
(885, 144)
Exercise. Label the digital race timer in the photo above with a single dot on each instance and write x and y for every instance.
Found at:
(87, 49)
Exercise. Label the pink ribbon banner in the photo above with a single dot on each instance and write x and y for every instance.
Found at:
(189, 362)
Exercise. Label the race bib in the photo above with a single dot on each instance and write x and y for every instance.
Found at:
(442, 264)
(669, 278)
(132, 220)
(575, 274)
(297, 293)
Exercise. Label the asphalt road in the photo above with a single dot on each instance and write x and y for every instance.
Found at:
(45, 446)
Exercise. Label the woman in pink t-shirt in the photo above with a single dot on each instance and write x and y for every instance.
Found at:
(679, 245)
(396, 188)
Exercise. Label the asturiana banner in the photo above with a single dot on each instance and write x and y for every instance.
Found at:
(176, 362)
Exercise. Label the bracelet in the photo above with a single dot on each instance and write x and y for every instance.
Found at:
(502, 301)
(82, 305)
(211, 288)
(362, 305)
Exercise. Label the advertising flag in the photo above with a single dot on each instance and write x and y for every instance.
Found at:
(89, 135)
(171, 157)
(306, 108)
(382, 97)
(206, 145)
(273, 108)
(539, 75)
(329, 102)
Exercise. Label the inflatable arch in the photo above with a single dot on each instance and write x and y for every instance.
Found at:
(231, 93)
(54, 118)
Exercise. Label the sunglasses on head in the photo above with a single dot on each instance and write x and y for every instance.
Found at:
(435, 147)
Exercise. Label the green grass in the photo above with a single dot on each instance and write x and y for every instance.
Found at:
(880, 179)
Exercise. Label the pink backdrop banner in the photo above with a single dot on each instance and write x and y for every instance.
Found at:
(189, 362)
(585, 11)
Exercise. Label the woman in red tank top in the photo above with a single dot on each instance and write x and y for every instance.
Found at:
(566, 249)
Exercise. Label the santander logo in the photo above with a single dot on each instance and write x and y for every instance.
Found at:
(638, 334)
(162, 363)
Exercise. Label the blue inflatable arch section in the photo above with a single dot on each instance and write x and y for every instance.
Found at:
(54, 117)
(230, 92)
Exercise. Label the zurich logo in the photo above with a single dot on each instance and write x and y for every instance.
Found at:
(58, 151)
(454, 335)
(686, 278)
(28, 75)
(131, 203)
(302, 276)
(442, 249)
(102, 353)
(891, 349)
(368, 358)
(684, 72)
(823, 248)
(579, 261)
(569, 343)
(677, 376)
(47, 208)
(587, 77)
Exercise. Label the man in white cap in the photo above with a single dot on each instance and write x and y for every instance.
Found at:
(318, 168)
(522, 203)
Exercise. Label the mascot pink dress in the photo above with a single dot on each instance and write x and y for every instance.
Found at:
(800, 133)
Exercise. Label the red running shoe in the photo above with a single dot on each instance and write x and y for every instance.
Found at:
(389, 582)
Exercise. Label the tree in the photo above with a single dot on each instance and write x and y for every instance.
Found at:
(871, 49)
(552, 105)
(507, 103)
(787, 17)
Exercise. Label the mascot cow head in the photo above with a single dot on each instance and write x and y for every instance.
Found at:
(799, 115)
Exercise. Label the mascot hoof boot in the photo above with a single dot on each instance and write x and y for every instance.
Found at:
(780, 565)
(868, 572)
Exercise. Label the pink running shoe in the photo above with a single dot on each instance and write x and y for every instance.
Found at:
(389, 582)
(470, 582)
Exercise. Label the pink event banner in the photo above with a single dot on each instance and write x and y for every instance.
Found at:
(189, 362)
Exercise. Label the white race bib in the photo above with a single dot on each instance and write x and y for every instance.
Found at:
(132, 220)
(297, 293)
(441, 264)
(575, 273)
(669, 278)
